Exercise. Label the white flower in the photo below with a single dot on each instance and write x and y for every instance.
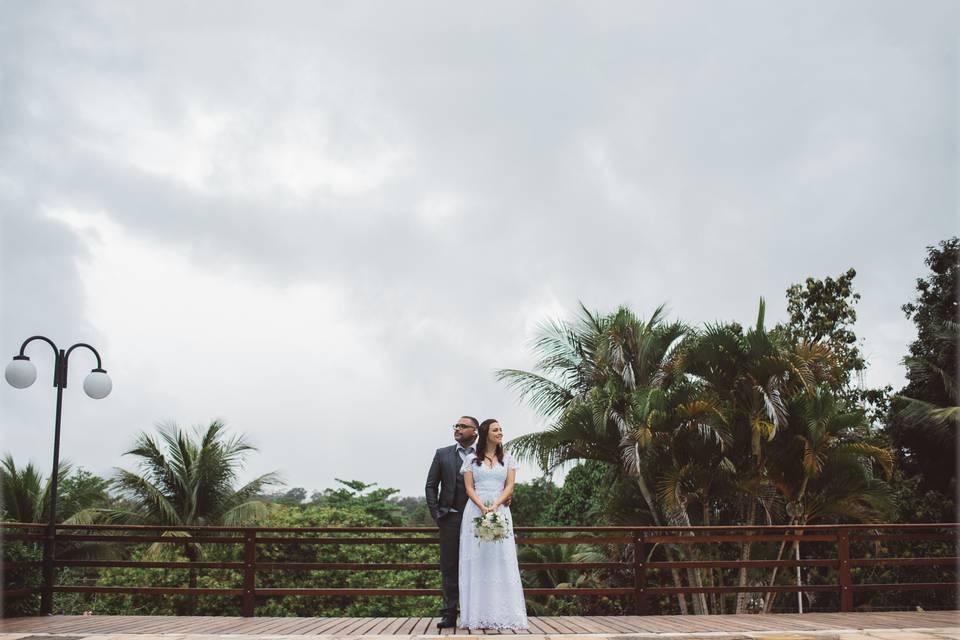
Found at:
(491, 527)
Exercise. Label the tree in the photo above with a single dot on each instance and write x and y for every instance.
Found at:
(580, 501)
(190, 483)
(355, 494)
(939, 421)
(292, 497)
(532, 502)
(187, 480)
(716, 441)
(331, 606)
(25, 497)
(413, 511)
(24, 493)
(824, 311)
(594, 374)
(923, 420)
(590, 371)
(823, 465)
(82, 490)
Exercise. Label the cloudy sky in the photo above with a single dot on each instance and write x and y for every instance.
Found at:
(328, 223)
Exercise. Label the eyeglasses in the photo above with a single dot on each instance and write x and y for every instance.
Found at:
(461, 427)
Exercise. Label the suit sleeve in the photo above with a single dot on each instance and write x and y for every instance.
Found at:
(433, 485)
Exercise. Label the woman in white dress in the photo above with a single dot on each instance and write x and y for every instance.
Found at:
(491, 594)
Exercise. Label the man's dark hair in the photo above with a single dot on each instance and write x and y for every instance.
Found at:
(476, 423)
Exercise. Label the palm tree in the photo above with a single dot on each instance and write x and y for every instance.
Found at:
(744, 379)
(191, 483)
(559, 578)
(940, 420)
(24, 495)
(597, 374)
(822, 464)
(597, 381)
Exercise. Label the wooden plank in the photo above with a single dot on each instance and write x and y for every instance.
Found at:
(558, 622)
(616, 624)
(576, 623)
(139, 564)
(418, 623)
(292, 626)
(328, 626)
(339, 625)
(426, 625)
(274, 625)
(361, 627)
(892, 562)
(141, 539)
(303, 626)
(359, 566)
(593, 624)
(903, 586)
(310, 626)
(163, 624)
(535, 626)
(330, 541)
(382, 623)
(547, 625)
(342, 591)
(394, 626)
(736, 564)
(550, 625)
(703, 539)
(407, 627)
(200, 591)
(577, 540)
(228, 624)
(78, 624)
(644, 623)
(351, 628)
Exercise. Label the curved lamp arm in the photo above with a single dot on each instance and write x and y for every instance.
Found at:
(23, 347)
(66, 356)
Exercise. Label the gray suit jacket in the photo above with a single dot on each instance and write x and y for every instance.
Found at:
(443, 482)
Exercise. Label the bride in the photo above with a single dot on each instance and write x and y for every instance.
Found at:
(491, 595)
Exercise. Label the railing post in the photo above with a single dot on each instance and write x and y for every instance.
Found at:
(249, 572)
(843, 557)
(640, 573)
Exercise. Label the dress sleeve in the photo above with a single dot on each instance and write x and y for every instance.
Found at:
(509, 461)
(467, 462)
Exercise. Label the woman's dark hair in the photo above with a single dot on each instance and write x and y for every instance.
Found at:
(484, 430)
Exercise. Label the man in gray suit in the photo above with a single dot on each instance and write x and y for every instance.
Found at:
(446, 497)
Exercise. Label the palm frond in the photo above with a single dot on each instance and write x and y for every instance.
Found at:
(147, 494)
(542, 394)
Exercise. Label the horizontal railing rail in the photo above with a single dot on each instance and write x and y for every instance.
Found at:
(642, 541)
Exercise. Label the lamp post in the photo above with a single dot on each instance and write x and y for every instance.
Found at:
(21, 373)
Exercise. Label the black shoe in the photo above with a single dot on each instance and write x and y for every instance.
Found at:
(447, 622)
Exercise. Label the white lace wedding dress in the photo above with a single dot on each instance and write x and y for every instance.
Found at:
(491, 595)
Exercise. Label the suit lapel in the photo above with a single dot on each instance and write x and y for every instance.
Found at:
(455, 460)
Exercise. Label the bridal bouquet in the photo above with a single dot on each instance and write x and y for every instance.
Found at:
(491, 527)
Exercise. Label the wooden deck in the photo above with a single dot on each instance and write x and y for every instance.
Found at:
(940, 625)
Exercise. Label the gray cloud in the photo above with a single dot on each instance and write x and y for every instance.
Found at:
(453, 176)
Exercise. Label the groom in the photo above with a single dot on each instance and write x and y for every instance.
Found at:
(446, 498)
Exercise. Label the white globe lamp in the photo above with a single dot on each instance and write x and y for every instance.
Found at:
(20, 373)
(97, 384)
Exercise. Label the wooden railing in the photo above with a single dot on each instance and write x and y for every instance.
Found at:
(636, 544)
